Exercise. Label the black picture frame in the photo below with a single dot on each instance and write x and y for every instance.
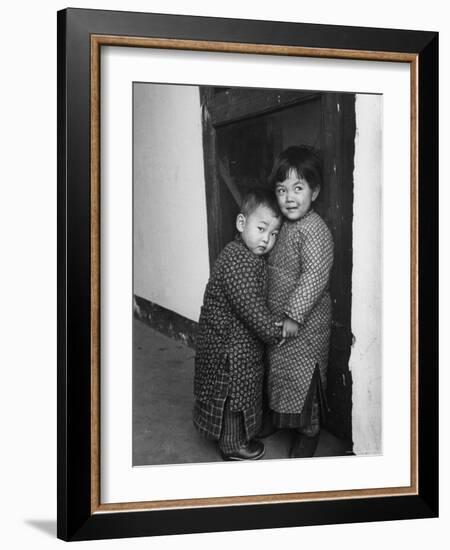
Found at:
(78, 518)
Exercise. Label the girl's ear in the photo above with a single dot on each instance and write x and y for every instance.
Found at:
(315, 193)
(240, 222)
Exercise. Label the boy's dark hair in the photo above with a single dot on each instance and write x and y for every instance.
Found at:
(305, 160)
(259, 196)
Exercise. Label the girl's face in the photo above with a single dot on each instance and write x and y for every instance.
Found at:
(295, 196)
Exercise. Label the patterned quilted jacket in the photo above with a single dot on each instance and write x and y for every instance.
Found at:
(299, 274)
(234, 323)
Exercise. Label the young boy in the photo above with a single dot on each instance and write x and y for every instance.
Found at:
(234, 323)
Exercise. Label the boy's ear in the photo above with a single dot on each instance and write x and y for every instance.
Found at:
(240, 222)
(315, 193)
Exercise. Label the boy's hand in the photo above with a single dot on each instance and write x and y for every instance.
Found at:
(290, 328)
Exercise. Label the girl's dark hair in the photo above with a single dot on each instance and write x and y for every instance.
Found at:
(259, 196)
(305, 160)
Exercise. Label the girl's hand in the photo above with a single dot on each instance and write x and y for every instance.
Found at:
(290, 328)
(283, 340)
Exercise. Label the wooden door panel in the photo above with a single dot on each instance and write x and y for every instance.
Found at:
(244, 131)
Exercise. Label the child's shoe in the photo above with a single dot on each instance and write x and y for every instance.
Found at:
(250, 451)
(267, 427)
(304, 446)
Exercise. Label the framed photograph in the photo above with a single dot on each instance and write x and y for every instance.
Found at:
(247, 274)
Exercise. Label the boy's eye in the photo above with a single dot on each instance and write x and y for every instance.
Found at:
(298, 188)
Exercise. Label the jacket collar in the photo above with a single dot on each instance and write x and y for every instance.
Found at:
(240, 241)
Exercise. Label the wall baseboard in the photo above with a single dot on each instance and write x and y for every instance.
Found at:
(166, 321)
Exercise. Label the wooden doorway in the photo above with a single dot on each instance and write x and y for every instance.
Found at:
(244, 129)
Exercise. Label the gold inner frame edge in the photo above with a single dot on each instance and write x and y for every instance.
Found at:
(97, 41)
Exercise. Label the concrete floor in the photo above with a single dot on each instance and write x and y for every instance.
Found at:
(163, 432)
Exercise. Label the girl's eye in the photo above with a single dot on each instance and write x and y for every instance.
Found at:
(280, 191)
(298, 188)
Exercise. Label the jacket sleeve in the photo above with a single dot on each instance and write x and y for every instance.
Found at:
(316, 250)
(244, 287)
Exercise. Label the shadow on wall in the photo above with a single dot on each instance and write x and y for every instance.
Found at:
(47, 526)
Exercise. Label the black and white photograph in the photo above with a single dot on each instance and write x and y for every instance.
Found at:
(224, 275)
(257, 274)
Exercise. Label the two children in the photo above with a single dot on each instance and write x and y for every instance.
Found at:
(235, 319)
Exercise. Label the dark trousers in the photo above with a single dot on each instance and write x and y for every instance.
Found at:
(233, 435)
(314, 410)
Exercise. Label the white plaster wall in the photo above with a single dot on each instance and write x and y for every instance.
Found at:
(170, 234)
(365, 360)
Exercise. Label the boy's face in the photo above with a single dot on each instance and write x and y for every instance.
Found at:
(259, 230)
(295, 196)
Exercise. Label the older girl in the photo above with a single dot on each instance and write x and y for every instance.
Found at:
(299, 275)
